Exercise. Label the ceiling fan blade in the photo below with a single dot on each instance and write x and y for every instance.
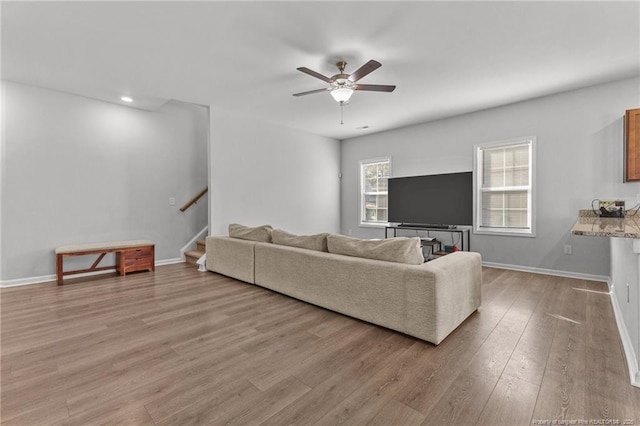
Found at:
(364, 70)
(311, 92)
(375, 87)
(314, 74)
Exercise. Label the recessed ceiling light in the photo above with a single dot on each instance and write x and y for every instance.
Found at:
(126, 99)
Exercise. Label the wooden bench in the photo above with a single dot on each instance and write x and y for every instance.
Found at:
(131, 256)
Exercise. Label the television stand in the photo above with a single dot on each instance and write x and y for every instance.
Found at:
(426, 226)
(464, 232)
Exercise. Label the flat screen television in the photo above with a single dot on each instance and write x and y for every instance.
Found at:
(444, 200)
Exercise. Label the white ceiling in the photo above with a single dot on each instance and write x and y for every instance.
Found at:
(446, 58)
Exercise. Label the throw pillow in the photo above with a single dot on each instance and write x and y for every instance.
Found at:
(257, 233)
(317, 242)
(399, 250)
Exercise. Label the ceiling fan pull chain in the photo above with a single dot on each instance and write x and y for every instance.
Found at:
(342, 112)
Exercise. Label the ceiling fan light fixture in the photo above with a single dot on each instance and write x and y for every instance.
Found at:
(341, 94)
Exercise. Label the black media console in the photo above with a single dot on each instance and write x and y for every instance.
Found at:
(463, 232)
(421, 226)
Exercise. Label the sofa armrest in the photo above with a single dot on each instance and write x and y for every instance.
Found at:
(232, 257)
(458, 291)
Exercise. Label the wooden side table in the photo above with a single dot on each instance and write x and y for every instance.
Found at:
(136, 259)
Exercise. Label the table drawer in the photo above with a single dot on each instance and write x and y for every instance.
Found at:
(141, 253)
(143, 261)
(136, 259)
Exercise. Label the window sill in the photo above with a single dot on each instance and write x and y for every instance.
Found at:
(373, 225)
(506, 233)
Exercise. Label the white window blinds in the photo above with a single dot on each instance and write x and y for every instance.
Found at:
(374, 175)
(504, 187)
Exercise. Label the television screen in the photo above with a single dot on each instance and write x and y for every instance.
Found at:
(445, 199)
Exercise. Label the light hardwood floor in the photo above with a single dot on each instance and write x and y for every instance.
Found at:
(179, 347)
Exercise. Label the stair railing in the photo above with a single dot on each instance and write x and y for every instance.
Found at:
(194, 199)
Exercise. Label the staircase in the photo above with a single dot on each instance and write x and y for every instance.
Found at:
(192, 256)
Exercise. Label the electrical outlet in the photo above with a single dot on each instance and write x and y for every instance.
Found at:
(172, 201)
(568, 249)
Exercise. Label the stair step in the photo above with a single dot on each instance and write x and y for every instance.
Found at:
(201, 244)
(192, 256)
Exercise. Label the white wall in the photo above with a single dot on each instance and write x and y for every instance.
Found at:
(625, 299)
(267, 174)
(77, 170)
(579, 158)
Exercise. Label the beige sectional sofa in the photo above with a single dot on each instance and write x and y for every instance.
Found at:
(425, 300)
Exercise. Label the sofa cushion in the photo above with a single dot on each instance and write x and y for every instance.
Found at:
(317, 242)
(257, 233)
(400, 249)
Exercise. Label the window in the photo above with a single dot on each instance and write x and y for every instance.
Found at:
(504, 183)
(374, 175)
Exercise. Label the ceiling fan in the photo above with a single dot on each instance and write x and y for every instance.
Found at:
(341, 86)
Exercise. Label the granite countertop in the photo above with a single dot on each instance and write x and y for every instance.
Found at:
(590, 224)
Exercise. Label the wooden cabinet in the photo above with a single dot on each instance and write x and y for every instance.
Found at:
(135, 259)
(632, 145)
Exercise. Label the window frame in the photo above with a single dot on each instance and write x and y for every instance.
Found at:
(361, 186)
(531, 188)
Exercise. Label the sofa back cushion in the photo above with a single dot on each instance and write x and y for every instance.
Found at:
(317, 242)
(257, 233)
(400, 250)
